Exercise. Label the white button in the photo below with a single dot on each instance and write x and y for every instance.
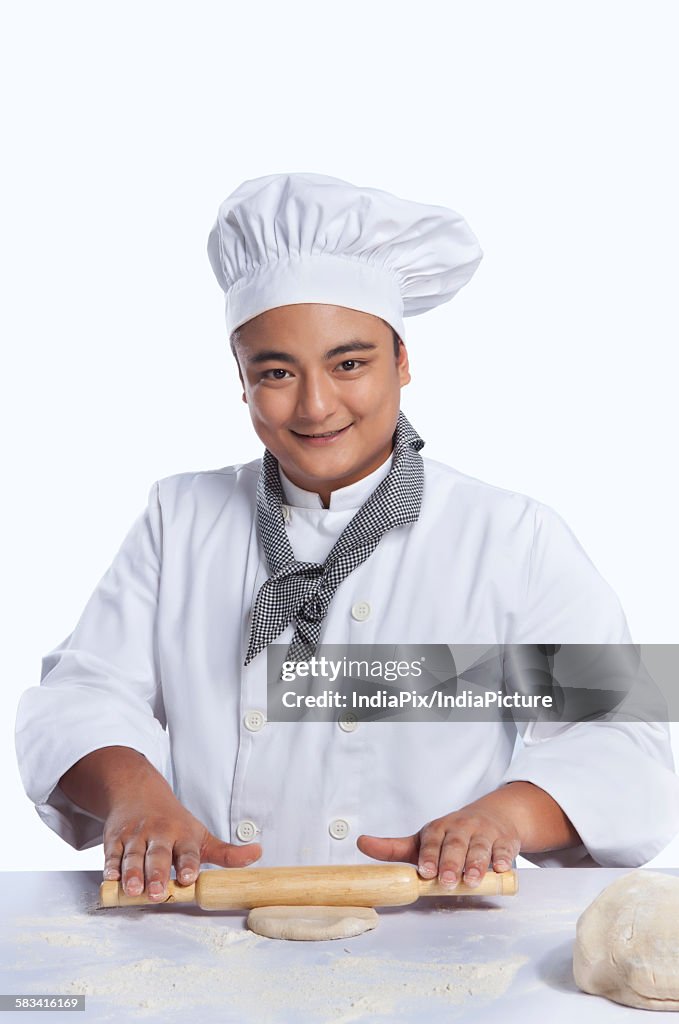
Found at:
(246, 831)
(286, 513)
(347, 721)
(360, 611)
(339, 828)
(254, 720)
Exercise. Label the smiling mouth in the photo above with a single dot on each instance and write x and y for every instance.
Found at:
(327, 433)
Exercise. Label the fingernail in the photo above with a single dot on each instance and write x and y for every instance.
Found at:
(449, 878)
(427, 868)
(134, 887)
(501, 865)
(186, 876)
(156, 889)
(472, 877)
(110, 873)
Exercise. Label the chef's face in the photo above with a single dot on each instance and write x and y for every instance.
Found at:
(322, 384)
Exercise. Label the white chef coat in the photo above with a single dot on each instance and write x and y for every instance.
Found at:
(156, 663)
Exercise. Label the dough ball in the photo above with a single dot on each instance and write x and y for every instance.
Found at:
(627, 942)
(311, 922)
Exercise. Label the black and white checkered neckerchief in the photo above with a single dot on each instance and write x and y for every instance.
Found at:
(303, 590)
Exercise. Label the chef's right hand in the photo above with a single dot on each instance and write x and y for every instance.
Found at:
(149, 830)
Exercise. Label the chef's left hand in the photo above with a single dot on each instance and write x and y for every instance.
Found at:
(461, 845)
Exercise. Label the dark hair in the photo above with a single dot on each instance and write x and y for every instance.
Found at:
(397, 340)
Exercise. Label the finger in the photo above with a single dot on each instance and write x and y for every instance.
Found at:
(216, 851)
(477, 860)
(132, 866)
(186, 860)
(431, 840)
(402, 849)
(157, 865)
(503, 854)
(452, 857)
(113, 851)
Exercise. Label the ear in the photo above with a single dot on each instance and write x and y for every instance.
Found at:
(402, 365)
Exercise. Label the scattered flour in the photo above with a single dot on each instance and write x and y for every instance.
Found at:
(348, 989)
(64, 931)
(216, 937)
(379, 986)
(53, 938)
(258, 980)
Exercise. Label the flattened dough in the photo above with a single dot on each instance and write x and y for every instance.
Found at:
(311, 922)
(627, 942)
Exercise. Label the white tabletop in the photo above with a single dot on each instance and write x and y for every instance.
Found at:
(472, 959)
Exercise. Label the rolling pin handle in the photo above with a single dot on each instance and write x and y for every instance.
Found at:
(493, 883)
(112, 894)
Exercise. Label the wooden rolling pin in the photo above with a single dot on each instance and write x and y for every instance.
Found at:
(346, 885)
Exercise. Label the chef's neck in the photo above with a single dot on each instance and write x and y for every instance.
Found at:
(352, 489)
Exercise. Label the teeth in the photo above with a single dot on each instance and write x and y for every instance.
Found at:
(328, 434)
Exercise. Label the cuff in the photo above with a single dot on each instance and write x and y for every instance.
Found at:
(623, 803)
(76, 826)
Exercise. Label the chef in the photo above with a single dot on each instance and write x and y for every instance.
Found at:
(149, 728)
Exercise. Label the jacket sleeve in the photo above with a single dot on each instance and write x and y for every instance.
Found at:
(101, 686)
(615, 780)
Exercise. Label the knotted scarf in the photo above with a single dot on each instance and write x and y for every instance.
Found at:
(303, 590)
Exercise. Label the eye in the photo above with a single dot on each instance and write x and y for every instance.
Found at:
(277, 374)
(351, 364)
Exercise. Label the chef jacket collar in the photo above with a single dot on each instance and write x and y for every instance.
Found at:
(352, 496)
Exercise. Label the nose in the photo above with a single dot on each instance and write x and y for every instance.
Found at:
(316, 398)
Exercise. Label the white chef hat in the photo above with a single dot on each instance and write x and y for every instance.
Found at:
(290, 238)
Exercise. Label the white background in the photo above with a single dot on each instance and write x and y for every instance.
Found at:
(550, 126)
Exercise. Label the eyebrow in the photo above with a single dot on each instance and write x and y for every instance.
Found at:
(273, 355)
